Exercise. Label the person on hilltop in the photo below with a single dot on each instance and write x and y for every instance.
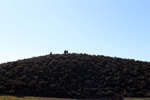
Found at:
(66, 52)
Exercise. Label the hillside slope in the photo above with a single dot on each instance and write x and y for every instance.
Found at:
(75, 76)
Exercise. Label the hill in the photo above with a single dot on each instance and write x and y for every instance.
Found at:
(75, 76)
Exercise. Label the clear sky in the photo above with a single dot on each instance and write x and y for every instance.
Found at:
(31, 28)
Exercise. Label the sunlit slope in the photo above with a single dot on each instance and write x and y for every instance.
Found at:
(31, 98)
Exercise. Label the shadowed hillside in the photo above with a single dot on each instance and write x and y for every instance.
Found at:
(75, 76)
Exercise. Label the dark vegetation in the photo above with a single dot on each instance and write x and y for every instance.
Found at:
(118, 97)
(75, 76)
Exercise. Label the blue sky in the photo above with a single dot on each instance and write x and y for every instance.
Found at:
(118, 28)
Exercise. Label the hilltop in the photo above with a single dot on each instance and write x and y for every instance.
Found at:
(75, 76)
